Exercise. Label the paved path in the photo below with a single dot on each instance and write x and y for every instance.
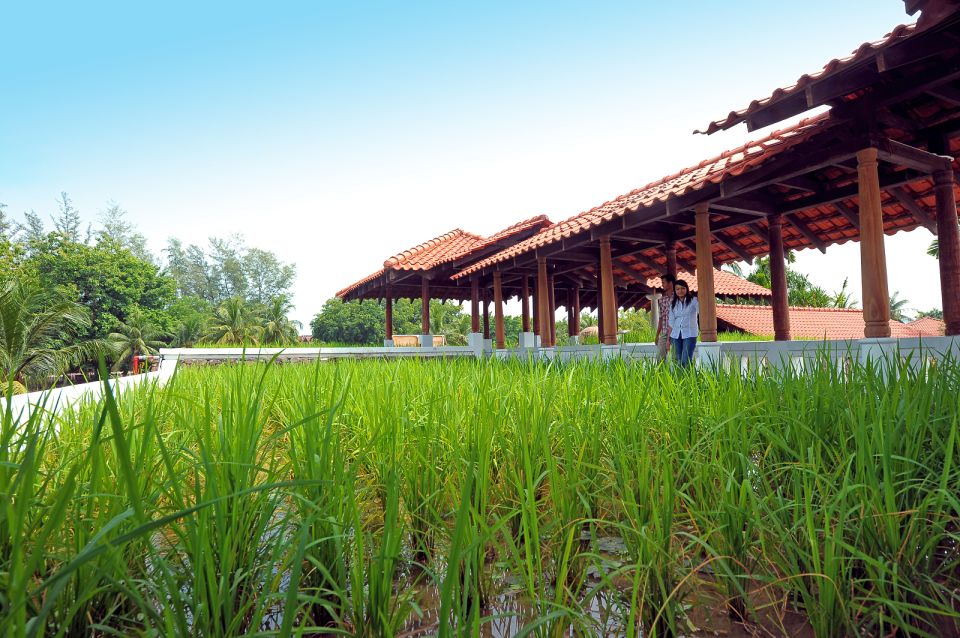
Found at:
(58, 399)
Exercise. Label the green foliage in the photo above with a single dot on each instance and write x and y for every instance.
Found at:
(39, 334)
(800, 290)
(233, 323)
(364, 323)
(138, 336)
(933, 313)
(104, 277)
(898, 307)
(277, 327)
(636, 323)
(228, 268)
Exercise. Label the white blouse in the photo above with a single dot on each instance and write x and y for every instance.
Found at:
(685, 319)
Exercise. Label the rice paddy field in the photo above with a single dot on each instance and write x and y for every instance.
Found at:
(465, 498)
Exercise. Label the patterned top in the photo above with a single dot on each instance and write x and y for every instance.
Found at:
(664, 304)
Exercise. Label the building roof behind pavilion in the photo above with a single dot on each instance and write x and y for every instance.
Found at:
(444, 250)
(811, 323)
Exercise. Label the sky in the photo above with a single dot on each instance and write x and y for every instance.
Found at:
(339, 134)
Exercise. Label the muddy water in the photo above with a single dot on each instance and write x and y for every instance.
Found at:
(605, 614)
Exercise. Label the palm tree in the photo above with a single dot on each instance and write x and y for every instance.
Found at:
(234, 324)
(36, 327)
(190, 331)
(898, 307)
(842, 298)
(277, 326)
(137, 336)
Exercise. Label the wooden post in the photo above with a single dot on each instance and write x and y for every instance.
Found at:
(600, 323)
(543, 301)
(498, 310)
(575, 324)
(388, 311)
(486, 314)
(570, 327)
(525, 303)
(607, 298)
(948, 238)
(705, 290)
(873, 260)
(535, 299)
(475, 305)
(553, 311)
(778, 280)
(425, 303)
(671, 258)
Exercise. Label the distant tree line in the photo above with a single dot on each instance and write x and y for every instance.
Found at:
(76, 290)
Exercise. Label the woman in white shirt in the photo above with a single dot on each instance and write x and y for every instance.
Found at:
(684, 322)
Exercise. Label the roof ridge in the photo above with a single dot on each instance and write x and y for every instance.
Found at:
(404, 255)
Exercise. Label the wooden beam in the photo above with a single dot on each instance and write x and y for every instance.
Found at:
(807, 232)
(731, 244)
(849, 212)
(911, 157)
(911, 205)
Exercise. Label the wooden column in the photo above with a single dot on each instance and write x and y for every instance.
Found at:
(576, 312)
(535, 299)
(873, 260)
(474, 305)
(543, 301)
(571, 292)
(671, 251)
(778, 279)
(388, 311)
(607, 298)
(525, 303)
(553, 310)
(705, 290)
(948, 238)
(425, 303)
(498, 310)
(486, 314)
(600, 323)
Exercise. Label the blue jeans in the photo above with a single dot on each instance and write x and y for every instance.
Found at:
(683, 349)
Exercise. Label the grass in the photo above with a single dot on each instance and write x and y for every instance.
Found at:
(371, 498)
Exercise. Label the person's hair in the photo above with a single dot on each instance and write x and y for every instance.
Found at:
(676, 297)
(667, 278)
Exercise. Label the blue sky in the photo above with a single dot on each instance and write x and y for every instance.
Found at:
(337, 134)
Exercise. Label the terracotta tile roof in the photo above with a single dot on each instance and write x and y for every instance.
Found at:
(712, 171)
(438, 250)
(862, 53)
(446, 248)
(725, 284)
(809, 323)
(929, 326)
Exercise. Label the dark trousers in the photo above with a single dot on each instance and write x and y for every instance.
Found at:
(683, 349)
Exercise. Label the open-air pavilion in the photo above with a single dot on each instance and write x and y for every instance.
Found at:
(882, 159)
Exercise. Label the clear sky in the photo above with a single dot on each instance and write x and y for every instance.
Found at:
(338, 134)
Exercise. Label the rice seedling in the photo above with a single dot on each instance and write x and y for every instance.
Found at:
(374, 498)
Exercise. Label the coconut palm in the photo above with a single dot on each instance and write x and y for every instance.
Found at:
(36, 327)
(842, 298)
(277, 326)
(233, 323)
(135, 337)
(898, 307)
(190, 331)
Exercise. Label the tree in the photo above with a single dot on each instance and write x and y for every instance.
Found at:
(898, 307)
(136, 337)
(800, 290)
(105, 277)
(233, 323)
(351, 322)
(37, 327)
(842, 298)
(267, 277)
(933, 313)
(115, 228)
(67, 223)
(277, 326)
